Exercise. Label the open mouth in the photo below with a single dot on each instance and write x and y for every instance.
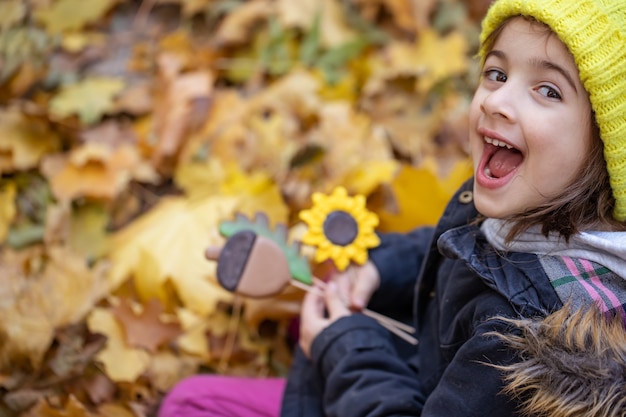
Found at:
(499, 158)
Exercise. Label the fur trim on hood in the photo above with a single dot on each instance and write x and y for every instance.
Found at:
(573, 364)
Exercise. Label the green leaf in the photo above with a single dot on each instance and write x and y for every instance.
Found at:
(310, 45)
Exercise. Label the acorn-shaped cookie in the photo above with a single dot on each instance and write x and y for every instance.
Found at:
(252, 265)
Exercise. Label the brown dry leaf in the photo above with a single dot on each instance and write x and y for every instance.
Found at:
(64, 15)
(173, 108)
(334, 30)
(349, 140)
(111, 133)
(412, 15)
(145, 329)
(95, 170)
(24, 141)
(90, 99)
(43, 291)
(135, 100)
(72, 408)
(7, 208)
(237, 26)
(120, 361)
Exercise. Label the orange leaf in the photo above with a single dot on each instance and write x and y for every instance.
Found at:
(146, 329)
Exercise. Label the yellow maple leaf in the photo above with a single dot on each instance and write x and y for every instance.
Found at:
(419, 196)
(431, 59)
(121, 362)
(195, 327)
(64, 15)
(23, 142)
(90, 98)
(7, 208)
(365, 178)
(174, 235)
(256, 190)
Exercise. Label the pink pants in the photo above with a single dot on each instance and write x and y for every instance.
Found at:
(222, 396)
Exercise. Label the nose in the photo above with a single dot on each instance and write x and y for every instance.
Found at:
(500, 102)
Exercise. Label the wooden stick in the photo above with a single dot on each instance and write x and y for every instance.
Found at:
(396, 327)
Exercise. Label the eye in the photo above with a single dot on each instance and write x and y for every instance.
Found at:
(495, 75)
(550, 92)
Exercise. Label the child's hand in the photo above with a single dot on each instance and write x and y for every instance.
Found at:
(313, 318)
(357, 284)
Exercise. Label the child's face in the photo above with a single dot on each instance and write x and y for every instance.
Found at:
(530, 121)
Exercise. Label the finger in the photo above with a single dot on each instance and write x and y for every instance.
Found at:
(344, 283)
(334, 303)
(365, 284)
(212, 253)
(313, 303)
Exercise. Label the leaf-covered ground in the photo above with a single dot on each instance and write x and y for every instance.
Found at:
(129, 130)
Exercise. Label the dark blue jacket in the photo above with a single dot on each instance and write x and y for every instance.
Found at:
(450, 283)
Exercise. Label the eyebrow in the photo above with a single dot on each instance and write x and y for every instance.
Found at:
(540, 63)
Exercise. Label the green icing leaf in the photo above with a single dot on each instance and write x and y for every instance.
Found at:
(298, 265)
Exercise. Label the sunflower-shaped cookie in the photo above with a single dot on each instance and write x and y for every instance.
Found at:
(340, 228)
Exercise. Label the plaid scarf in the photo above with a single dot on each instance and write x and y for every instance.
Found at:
(581, 282)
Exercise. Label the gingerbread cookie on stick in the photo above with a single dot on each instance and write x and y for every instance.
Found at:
(258, 262)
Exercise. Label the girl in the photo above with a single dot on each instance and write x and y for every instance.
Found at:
(520, 293)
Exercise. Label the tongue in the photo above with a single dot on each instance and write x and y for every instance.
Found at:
(503, 162)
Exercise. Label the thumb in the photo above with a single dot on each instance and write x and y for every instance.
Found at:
(334, 303)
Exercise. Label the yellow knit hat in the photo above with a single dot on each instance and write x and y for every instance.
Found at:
(594, 31)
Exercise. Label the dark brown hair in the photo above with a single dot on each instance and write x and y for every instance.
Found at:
(586, 203)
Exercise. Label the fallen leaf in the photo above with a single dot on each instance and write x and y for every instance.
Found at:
(95, 170)
(237, 25)
(145, 329)
(64, 15)
(7, 208)
(72, 408)
(11, 12)
(120, 361)
(24, 142)
(175, 233)
(173, 108)
(334, 29)
(167, 368)
(420, 196)
(194, 340)
(41, 292)
(90, 99)
(431, 59)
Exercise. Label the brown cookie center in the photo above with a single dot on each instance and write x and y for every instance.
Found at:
(340, 228)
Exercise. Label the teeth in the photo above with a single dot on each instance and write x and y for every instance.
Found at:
(496, 142)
